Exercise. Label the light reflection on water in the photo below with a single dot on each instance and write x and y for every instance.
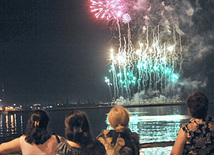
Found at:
(155, 128)
(11, 126)
(159, 128)
(157, 124)
(156, 151)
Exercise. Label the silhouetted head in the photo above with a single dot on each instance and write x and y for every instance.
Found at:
(197, 104)
(36, 131)
(118, 118)
(39, 118)
(77, 128)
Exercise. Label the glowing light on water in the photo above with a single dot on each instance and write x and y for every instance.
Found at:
(107, 9)
(168, 118)
(155, 128)
(156, 151)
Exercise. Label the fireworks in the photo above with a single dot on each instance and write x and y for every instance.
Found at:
(154, 63)
(126, 18)
(107, 9)
(153, 66)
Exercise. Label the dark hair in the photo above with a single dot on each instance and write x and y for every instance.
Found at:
(197, 103)
(77, 128)
(36, 131)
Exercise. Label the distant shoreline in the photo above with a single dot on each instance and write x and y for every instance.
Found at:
(102, 107)
(110, 106)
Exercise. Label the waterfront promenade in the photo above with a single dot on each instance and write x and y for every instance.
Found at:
(143, 119)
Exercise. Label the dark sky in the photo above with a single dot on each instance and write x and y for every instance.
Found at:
(55, 51)
(52, 51)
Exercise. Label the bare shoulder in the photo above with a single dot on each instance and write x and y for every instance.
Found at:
(60, 138)
(10, 147)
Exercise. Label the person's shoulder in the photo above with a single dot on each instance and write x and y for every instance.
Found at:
(57, 137)
(135, 138)
(63, 140)
(65, 148)
(135, 135)
(184, 126)
(22, 137)
(63, 144)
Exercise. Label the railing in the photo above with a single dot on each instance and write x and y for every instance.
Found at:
(157, 144)
(142, 145)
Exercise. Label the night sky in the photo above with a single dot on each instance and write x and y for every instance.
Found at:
(55, 51)
(52, 51)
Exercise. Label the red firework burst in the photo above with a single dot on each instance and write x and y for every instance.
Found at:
(107, 9)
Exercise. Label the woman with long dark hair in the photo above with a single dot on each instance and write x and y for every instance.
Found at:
(79, 140)
(37, 140)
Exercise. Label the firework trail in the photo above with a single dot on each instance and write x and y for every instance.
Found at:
(151, 58)
(152, 64)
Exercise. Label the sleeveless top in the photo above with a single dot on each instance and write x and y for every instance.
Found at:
(200, 136)
(65, 149)
(47, 148)
(120, 143)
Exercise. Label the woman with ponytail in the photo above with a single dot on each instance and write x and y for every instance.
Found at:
(79, 140)
(120, 141)
(37, 140)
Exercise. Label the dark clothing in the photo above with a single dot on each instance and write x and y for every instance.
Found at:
(65, 149)
(200, 137)
(120, 143)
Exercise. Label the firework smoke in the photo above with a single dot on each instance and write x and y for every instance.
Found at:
(159, 53)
